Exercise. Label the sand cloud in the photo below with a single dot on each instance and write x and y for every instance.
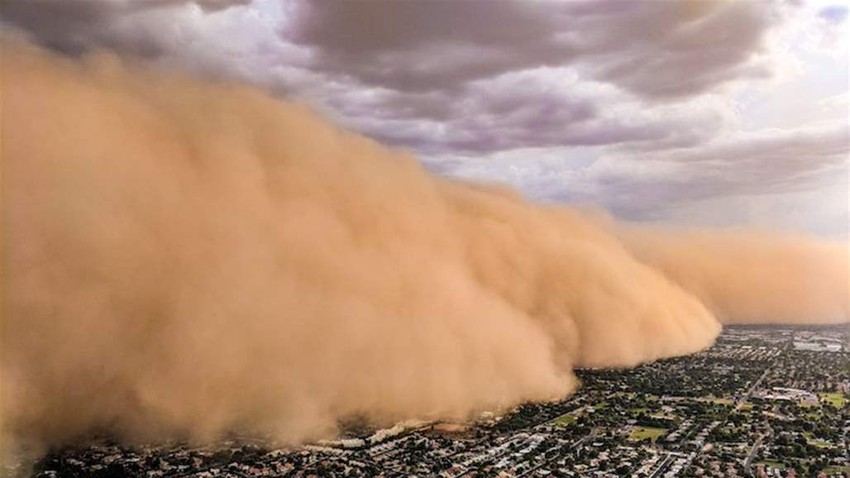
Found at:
(183, 259)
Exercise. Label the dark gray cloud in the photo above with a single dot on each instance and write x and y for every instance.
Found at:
(531, 109)
(648, 48)
(427, 46)
(691, 47)
(454, 77)
(74, 26)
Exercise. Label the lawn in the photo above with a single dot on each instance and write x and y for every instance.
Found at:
(837, 400)
(773, 464)
(815, 441)
(836, 469)
(639, 433)
(564, 419)
(717, 400)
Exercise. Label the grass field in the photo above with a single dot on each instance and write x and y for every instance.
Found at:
(717, 400)
(564, 419)
(639, 433)
(816, 442)
(773, 464)
(836, 399)
(816, 415)
(836, 469)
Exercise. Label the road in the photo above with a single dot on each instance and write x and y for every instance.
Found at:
(663, 466)
(752, 454)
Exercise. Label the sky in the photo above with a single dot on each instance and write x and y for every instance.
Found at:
(696, 113)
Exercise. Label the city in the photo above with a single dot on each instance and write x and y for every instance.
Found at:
(764, 401)
(442, 239)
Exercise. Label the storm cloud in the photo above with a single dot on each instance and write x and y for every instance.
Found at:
(528, 93)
